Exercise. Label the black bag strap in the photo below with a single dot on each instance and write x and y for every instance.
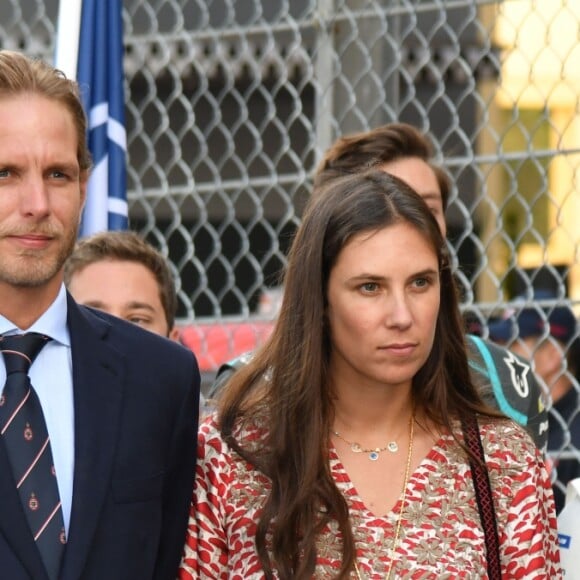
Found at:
(482, 494)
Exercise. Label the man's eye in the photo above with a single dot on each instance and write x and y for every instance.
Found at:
(138, 320)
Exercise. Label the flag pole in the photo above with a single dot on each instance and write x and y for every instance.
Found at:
(67, 37)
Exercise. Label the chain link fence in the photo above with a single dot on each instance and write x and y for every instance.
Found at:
(230, 104)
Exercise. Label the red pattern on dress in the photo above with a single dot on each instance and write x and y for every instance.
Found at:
(441, 535)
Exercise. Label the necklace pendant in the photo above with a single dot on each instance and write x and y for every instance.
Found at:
(393, 447)
(373, 455)
(356, 448)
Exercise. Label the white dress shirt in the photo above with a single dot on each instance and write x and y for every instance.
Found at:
(51, 376)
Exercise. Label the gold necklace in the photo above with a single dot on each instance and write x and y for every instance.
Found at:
(355, 447)
(400, 517)
(373, 452)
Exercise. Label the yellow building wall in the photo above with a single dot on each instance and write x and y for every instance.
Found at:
(541, 70)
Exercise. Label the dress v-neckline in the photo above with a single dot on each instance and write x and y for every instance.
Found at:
(351, 492)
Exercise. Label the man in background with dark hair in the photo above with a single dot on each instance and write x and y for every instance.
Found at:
(120, 273)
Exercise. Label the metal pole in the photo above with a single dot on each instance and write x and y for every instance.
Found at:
(67, 37)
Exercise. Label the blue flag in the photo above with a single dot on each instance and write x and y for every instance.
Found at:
(100, 77)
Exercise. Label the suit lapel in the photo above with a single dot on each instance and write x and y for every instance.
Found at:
(98, 379)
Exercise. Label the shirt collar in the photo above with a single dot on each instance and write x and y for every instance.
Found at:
(53, 321)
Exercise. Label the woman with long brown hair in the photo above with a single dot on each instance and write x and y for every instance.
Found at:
(338, 451)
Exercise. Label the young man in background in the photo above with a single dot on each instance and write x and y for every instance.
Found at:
(120, 273)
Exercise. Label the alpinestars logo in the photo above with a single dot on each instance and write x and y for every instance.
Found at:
(519, 374)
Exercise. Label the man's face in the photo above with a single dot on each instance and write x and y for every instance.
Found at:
(418, 175)
(42, 191)
(124, 289)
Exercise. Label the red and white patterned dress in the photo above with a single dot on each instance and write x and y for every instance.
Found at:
(440, 537)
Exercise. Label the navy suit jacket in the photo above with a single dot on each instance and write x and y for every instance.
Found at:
(136, 411)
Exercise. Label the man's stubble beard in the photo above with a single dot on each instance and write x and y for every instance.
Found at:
(32, 269)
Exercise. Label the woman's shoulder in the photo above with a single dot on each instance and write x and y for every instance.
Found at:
(248, 435)
(209, 425)
(499, 428)
(507, 444)
(223, 473)
(209, 438)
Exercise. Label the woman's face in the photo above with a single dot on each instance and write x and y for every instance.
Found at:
(383, 302)
(417, 174)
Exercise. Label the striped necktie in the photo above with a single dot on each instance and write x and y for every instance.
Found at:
(27, 442)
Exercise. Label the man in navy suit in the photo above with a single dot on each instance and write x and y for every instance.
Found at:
(120, 403)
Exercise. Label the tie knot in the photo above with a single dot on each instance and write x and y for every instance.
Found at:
(20, 350)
